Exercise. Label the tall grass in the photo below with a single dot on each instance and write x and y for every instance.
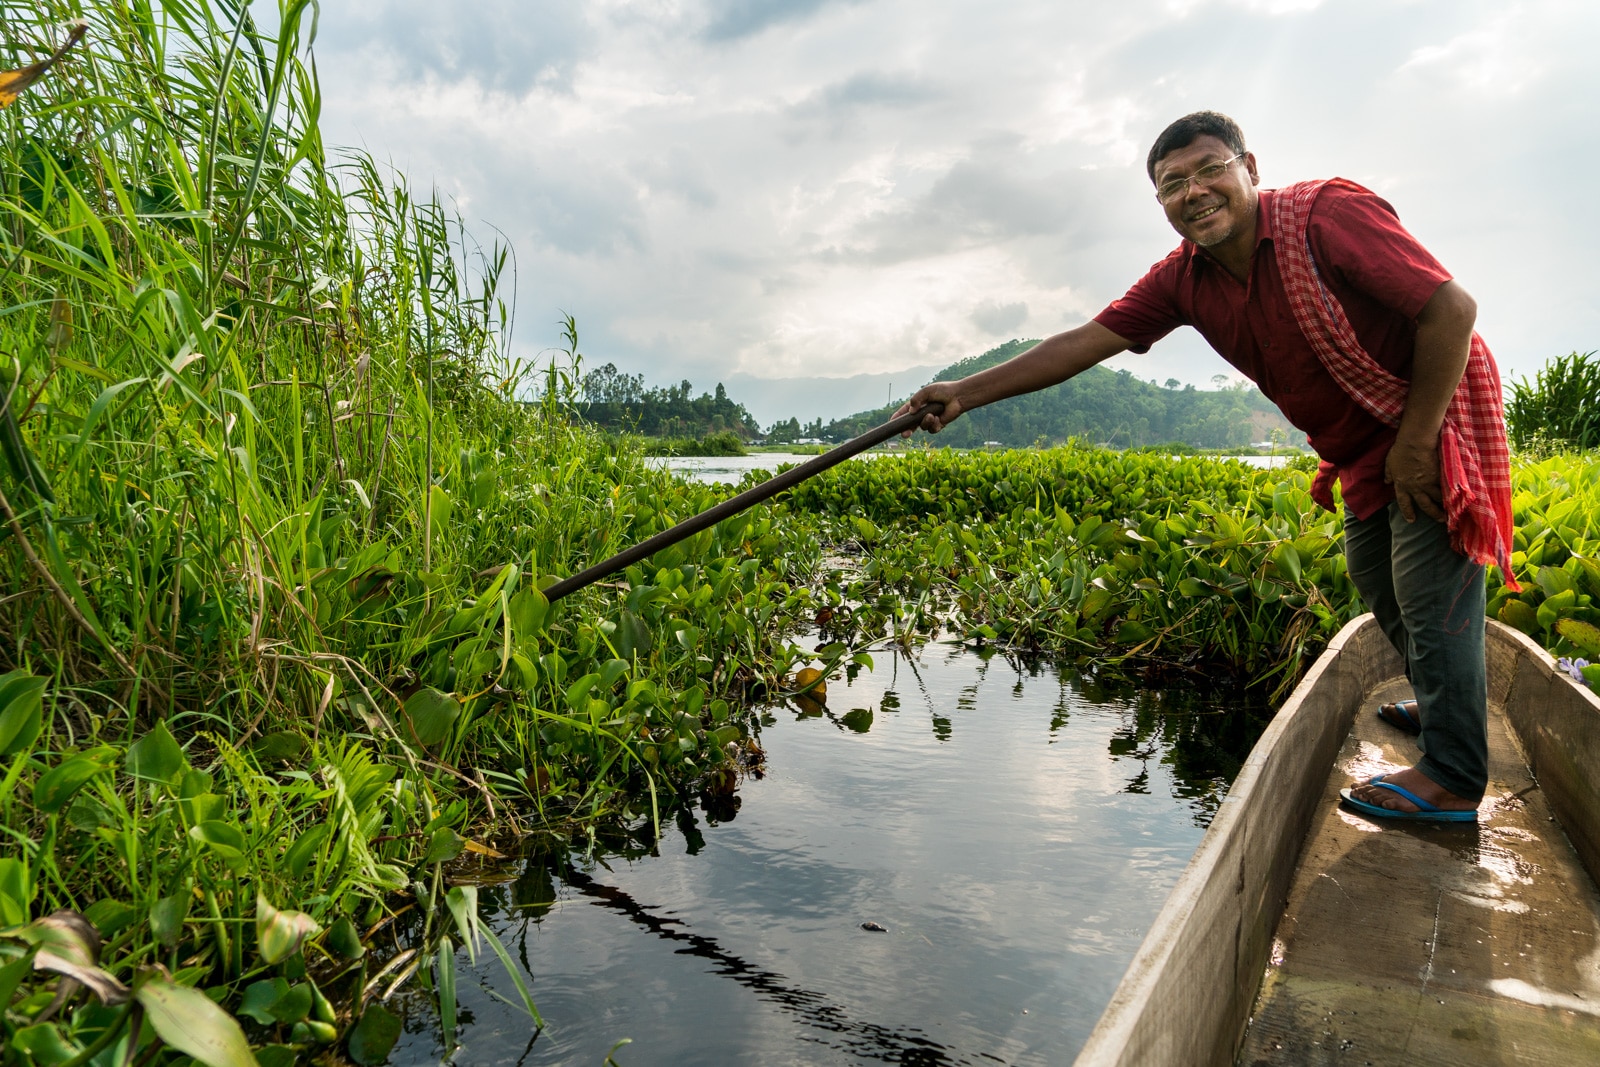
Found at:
(273, 521)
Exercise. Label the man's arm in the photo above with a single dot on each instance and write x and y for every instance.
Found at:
(1444, 340)
(1047, 363)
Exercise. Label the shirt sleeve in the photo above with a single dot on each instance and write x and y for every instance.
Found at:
(1148, 311)
(1357, 236)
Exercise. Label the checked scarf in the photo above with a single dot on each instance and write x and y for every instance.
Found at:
(1474, 463)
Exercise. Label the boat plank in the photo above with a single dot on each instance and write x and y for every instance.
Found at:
(1417, 944)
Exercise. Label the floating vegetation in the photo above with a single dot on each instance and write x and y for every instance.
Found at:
(1173, 567)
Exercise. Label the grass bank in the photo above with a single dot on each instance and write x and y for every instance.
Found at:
(274, 526)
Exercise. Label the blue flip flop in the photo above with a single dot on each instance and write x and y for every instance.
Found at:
(1404, 719)
(1426, 813)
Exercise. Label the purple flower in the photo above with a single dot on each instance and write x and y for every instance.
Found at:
(1573, 667)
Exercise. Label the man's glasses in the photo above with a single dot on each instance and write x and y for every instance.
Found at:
(1205, 178)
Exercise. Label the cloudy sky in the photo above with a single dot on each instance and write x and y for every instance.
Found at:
(777, 189)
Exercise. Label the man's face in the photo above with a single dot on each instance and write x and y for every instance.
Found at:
(1214, 215)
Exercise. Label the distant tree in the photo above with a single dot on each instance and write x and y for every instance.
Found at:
(1173, 383)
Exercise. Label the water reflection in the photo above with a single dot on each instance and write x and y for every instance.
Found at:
(1013, 828)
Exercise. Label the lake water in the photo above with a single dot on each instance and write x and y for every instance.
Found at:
(732, 469)
(1013, 829)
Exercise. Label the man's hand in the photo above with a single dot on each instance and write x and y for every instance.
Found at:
(1413, 469)
(1053, 360)
(935, 392)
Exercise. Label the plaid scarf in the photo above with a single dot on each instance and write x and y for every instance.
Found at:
(1474, 463)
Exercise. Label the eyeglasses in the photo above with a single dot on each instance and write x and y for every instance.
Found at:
(1205, 178)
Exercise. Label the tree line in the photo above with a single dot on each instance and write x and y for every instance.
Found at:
(1101, 405)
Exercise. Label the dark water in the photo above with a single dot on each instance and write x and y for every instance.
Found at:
(1013, 829)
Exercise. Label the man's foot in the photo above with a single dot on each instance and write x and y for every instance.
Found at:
(1413, 781)
(1402, 715)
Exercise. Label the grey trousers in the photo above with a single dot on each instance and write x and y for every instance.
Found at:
(1429, 599)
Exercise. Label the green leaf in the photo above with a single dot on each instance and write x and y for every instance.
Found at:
(611, 670)
(58, 785)
(279, 934)
(374, 1036)
(440, 507)
(298, 856)
(224, 839)
(109, 916)
(462, 900)
(432, 713)
(21, 701)
(43, 1044)
(1583, 634)
(633, 636)
(444, 845)
(1287, 561)
(280, 745)
(259, 998)
(166, 918)
(1591, 674)
(11, 976)
(155, 757)
(277, 1056)
(345, 939)
(528, 610)
(1518, 614)
(190, 1022)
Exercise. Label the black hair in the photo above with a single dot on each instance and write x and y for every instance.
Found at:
(1190, 128)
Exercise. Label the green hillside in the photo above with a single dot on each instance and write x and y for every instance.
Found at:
(1100, 405)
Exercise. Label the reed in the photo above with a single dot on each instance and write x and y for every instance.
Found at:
(277, 505)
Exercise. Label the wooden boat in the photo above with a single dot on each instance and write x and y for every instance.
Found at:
(1303, 933)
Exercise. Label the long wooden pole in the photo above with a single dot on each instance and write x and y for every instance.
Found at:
(749, 498)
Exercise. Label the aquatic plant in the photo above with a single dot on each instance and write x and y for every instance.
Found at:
(1177, 567)
(277, 506)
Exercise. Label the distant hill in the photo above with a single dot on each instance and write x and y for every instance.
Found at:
(1099, 405)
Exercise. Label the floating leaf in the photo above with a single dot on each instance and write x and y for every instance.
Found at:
(374, 1036)
(1583, 634)
(432, 714)
(155, 757)
(279, 934)
(191, 1022)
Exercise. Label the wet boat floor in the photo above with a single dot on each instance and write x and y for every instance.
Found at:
(1407, 944)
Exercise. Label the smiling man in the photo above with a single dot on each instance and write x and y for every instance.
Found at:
(1320, 296)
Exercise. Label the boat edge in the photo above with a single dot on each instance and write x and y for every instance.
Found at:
(1164, 1011)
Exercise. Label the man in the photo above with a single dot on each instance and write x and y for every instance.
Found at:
(1320, 296)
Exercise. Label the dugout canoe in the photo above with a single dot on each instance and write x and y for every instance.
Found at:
(1301, 933)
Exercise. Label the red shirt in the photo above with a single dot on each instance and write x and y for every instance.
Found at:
(1378, 272)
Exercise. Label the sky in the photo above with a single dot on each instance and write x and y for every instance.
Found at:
(772, 192)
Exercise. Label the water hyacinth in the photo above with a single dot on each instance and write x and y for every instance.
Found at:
(1574, 669)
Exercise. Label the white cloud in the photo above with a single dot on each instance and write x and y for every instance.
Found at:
(793, 187)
